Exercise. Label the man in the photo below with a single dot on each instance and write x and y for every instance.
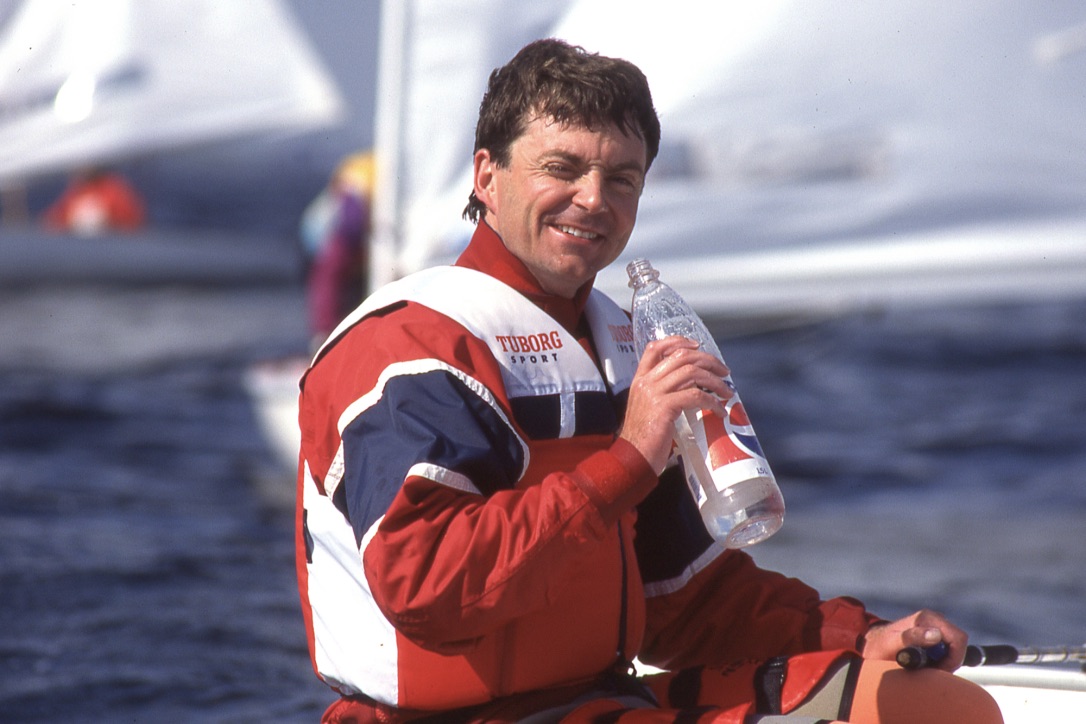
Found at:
(491, 523)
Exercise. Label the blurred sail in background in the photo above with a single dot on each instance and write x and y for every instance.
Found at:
(817, 157)
(95, 83)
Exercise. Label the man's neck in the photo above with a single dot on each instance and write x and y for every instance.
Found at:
(488, 254)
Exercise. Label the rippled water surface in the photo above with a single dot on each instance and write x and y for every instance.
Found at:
(931, 458)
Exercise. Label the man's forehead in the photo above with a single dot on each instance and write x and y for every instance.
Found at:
(577, 124)
(559, 136)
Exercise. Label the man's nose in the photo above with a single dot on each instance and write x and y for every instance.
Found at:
(590, 192)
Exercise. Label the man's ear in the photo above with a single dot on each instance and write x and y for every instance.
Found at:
(485, 178)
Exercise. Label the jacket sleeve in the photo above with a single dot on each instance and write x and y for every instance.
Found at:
(447, 567)
(741, 612)
(451, 547)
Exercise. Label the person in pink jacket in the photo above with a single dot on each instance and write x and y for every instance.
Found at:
(491, 522)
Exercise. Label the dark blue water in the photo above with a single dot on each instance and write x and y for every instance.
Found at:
(142, 578)
(933, 458)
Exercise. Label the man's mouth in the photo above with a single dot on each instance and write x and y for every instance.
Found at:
(579, 233)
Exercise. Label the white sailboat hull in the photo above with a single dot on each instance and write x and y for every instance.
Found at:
(1031, 694)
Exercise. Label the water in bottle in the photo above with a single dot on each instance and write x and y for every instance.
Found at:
(725, 467)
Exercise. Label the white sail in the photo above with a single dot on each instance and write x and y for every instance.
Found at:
(99, 81)
(434, 61)
(816, 155)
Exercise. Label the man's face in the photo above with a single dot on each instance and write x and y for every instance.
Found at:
(566, 202)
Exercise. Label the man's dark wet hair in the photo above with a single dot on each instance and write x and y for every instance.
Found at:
(553, 79)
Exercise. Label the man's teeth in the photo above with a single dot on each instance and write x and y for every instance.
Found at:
(580, 233)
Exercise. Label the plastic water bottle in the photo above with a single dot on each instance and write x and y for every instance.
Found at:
(725, 467)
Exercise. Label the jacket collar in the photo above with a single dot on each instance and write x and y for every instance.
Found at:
(487, 253)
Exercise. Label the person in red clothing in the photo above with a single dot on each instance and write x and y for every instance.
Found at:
(94, 202)
(492, 525)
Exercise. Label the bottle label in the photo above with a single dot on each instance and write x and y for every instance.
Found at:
(732, 438)
(729, 445)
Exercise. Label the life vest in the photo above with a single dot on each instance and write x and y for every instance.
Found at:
(562, 409)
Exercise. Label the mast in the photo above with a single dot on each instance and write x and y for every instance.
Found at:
(388, 141)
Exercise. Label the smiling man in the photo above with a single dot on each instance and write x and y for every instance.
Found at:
(491, 524)
(565, 201)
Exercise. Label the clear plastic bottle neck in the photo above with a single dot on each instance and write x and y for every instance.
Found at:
(641, 273)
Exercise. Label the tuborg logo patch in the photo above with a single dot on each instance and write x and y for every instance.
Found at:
(622, 336)
(531, 348)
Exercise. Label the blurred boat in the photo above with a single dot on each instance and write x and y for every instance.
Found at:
(104, 82)
(817, 158)
(274, 387)
(116, 303)
(110, 82)
(34, 258)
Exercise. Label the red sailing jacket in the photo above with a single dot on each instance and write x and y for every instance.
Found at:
(470, 526)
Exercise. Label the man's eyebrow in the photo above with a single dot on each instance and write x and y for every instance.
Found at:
(556, 155)
(629, 166)
(576, 160)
